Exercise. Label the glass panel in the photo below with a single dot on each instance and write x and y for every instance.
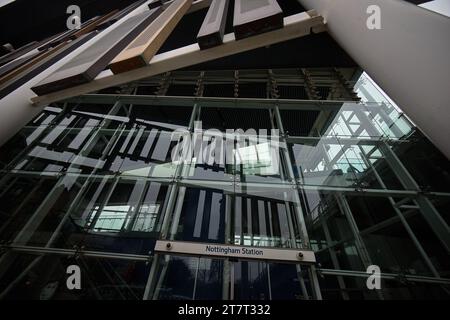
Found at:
(409, 290)
(209, 279)
(251, 281)
(224, 119)
(12, 152)
(430, 242)
(48, 149)
(266, 216)
(285, 282)
(345, 288)
(194, 278)
(393, 251)
(376, 171)
(341, 162)
(145, 153)
(365, 120)
(425, 163)
(300, 123)
(353, 232)
(165, 118)
(189, 278)
(115, 215)
(322, 162)
(370, 211)
(207, 155)
(258, 158)
(176, 278)
(201, 215)
(13, 268)
(21, 196)
(388, 119)
(217, 156)
(263, 215)
(101, 279)
(355, 288)
(442, 205)
(331, 235)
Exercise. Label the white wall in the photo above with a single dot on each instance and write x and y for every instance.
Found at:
(409, 57)
(440, 6)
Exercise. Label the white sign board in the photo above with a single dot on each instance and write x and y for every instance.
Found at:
(240, 252)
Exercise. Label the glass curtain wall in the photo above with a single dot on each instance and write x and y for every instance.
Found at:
(284, 159)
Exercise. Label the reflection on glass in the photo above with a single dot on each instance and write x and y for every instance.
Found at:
(202, 216)
(323, 162)
(266, 219)
(108, 214)
(124, 206)
(108, 177)
(102, 279)
(341, 162)
(251, 281)
(145, 153)
(258, 159)
(189, 278)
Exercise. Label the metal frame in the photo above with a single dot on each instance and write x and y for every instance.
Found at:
(178, 183)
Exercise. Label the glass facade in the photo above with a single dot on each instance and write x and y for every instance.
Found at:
(321, 162)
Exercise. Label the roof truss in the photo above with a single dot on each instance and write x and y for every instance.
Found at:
(295, 26)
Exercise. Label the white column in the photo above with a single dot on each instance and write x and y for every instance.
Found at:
(409, 57)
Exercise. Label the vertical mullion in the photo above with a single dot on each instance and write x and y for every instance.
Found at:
(153, 284)
(299, 212)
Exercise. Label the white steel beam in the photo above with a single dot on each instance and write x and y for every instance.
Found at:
(16, 109)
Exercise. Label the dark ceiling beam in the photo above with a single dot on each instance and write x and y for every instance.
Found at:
(24, 21)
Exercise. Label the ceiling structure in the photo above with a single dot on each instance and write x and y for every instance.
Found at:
(24, 21)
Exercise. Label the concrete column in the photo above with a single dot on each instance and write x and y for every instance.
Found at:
(408, 57)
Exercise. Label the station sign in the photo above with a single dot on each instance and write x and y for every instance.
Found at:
(238, 252)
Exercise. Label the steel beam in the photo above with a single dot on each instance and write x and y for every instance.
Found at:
(387, 276)
(142, 49)
(429, 212)
(88, 64)
(213, 28)
(295, 26)
(16, 109)
(256, 16)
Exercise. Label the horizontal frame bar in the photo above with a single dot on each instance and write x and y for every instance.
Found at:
(73, 252)
(217, 184)
(213, 102)
(149, 258)
(388, 276)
